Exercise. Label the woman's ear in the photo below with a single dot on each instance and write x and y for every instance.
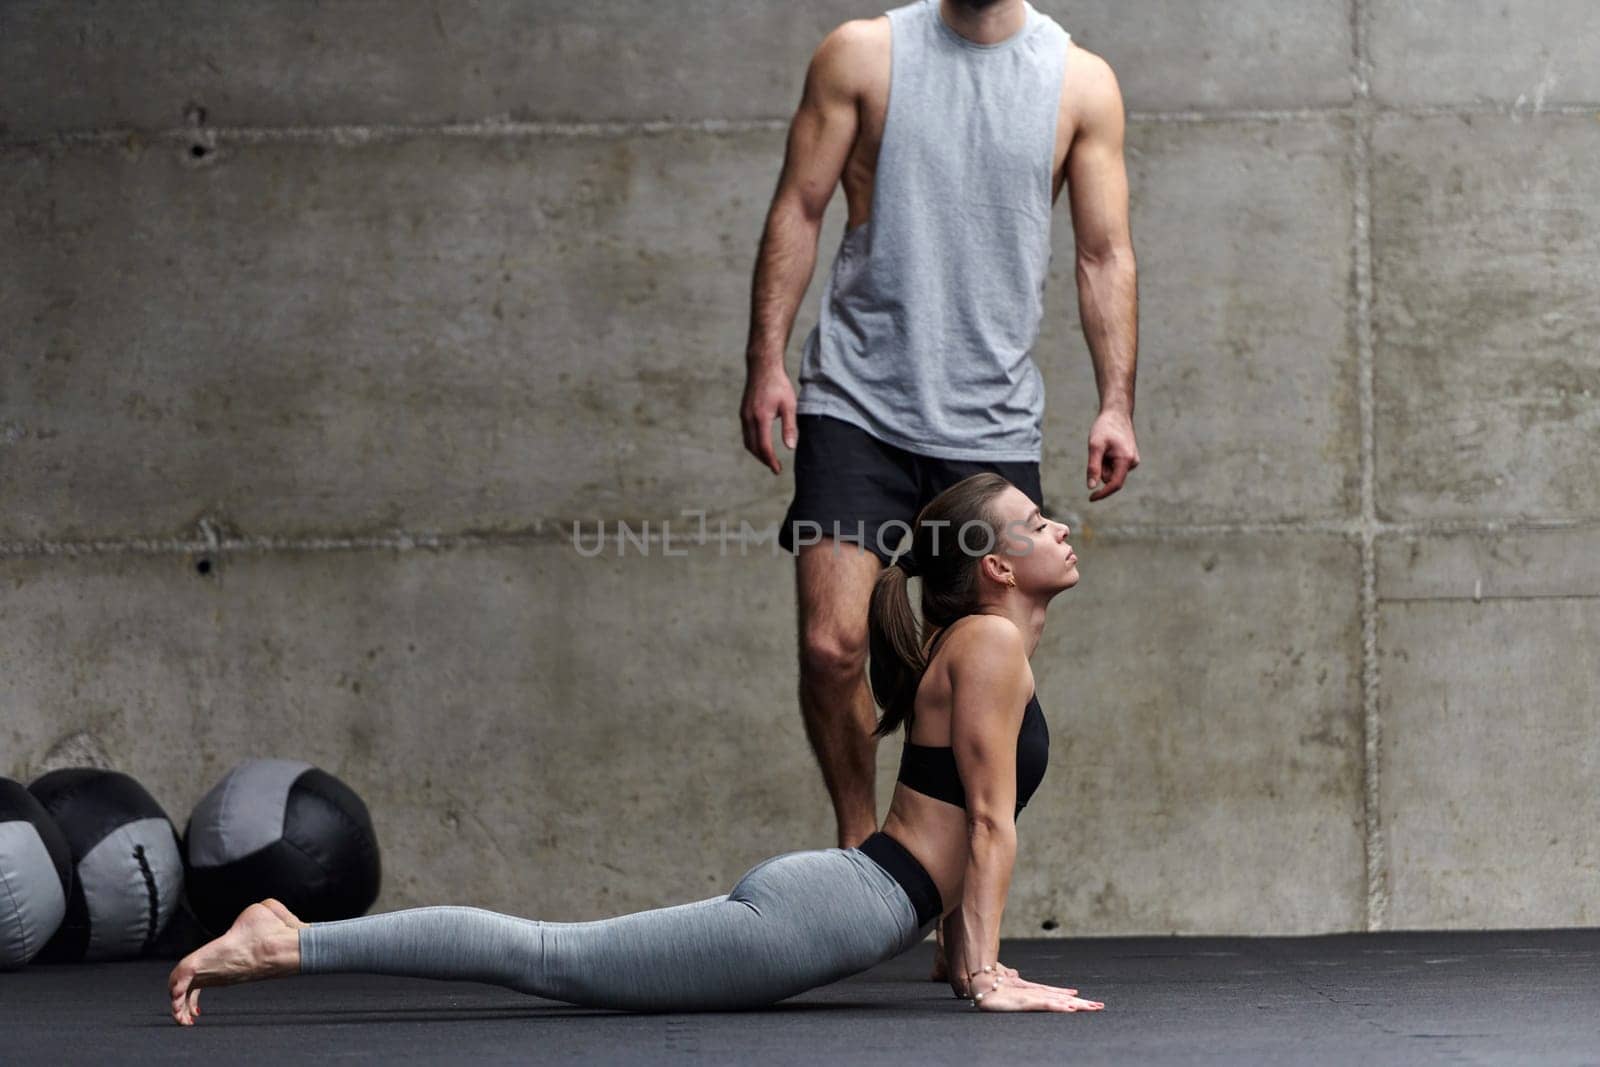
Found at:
(997, 568)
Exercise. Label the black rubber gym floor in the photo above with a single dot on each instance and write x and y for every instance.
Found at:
(1503, 997)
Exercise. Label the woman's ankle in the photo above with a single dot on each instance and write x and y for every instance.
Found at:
(282, 953)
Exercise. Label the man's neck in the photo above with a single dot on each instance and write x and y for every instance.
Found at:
(988, 25)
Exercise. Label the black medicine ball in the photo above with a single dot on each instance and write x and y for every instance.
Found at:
(129, 874)
(284, 829)
(35, 875)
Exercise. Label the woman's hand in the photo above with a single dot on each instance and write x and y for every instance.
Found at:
(1016, 994)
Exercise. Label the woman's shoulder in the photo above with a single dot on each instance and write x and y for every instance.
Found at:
(993, 632)
(988, 650)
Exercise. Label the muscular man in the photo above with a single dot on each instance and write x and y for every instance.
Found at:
(954, 125)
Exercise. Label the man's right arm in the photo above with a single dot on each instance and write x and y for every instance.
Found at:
(820, 138)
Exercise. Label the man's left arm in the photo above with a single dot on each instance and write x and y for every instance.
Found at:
(1108, 289)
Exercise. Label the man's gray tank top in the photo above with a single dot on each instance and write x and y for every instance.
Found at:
(933, 305)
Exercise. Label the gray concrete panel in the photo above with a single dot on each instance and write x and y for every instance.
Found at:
(1247, 406)
(1489, 754)
(1490, 565)
(98, 65)
(430, 334)
(303, 64)
(1485, 272)
(1204, 703)
(1485, 51)
(1182, 55)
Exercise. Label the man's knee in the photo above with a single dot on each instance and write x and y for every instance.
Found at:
(828, 653)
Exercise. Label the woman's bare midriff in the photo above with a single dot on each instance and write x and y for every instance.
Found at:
(935, 832)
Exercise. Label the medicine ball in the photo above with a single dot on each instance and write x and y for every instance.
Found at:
(129, 874)
(280, 828)
(35, 875)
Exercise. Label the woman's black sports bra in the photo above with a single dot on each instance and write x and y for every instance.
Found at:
(931, 769)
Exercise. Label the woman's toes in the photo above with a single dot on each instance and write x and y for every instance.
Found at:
(178, 990)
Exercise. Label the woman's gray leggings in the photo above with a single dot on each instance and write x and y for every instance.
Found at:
(792, 923)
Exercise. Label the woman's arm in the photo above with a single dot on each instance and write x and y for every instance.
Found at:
(990, 684)
(954, 961)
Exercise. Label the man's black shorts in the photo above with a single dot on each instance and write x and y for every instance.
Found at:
(848, 484)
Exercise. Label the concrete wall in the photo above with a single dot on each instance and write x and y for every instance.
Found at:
(325, 322)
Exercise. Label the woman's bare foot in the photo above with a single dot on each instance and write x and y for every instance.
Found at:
(261, 943)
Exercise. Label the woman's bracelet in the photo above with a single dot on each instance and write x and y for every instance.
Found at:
(988, 968)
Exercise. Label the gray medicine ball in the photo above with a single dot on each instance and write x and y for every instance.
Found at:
(35, 875)
(128, 873)
(284, 829)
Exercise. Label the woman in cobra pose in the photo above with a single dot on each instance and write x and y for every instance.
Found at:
(976, 745)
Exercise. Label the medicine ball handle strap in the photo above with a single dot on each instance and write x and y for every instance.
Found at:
(155, 902)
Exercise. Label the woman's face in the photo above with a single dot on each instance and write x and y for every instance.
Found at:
(1036, 547)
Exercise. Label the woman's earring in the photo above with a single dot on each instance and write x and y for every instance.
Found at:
(1011, 580)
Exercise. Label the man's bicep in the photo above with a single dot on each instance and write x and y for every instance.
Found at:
(1097, 177)
(824, 126)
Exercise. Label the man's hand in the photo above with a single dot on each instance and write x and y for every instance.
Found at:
(1112, 453)
(768, 395)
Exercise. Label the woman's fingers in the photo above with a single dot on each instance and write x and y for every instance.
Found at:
(1058, 1002)
(1040, 985)
(1057, 989)
(1061, 1000)
(1014, 978)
